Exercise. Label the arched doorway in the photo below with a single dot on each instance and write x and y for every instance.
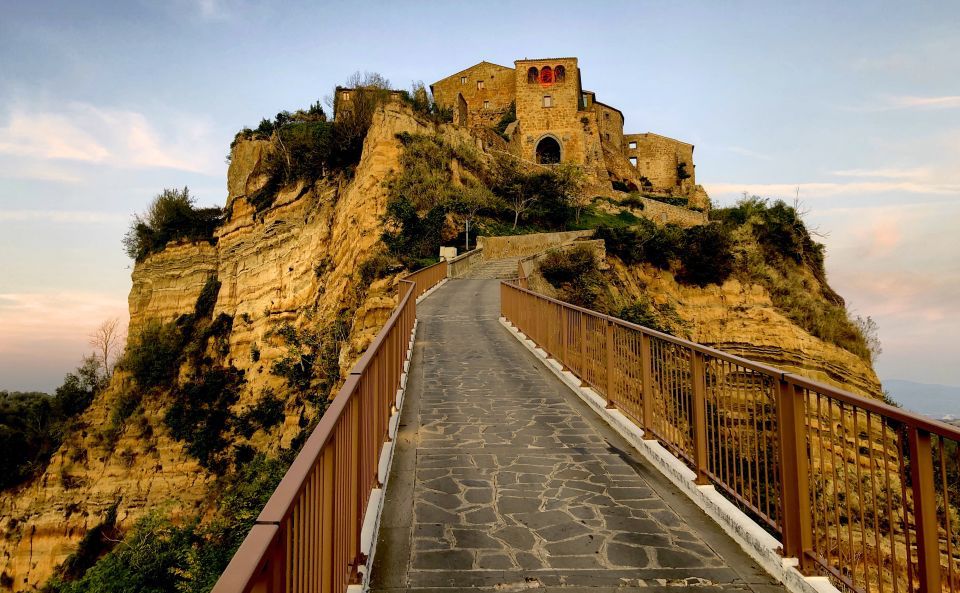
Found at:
(461, 111)
(548, 151)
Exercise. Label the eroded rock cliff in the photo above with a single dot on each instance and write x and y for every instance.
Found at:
(296, 262)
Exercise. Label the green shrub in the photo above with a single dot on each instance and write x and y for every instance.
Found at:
(706, 255)
(95, 543)
(265, 414)
(33, 424)
(311, 362)
(574, 272)
(641, 312)
(153, 353)
(508, 118)
(421, 101)
(172, 216)
(633, 200)
(200, 414)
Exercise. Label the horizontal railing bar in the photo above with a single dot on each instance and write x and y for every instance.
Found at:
(248, 560)
(882, 409)
(464, 255)
(910, 418)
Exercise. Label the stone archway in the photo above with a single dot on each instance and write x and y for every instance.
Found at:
(548, 151)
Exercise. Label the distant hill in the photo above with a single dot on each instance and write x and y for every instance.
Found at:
(925, 398)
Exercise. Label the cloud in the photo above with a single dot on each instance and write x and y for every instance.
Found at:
(747, 152)
(900, 102)
(915, 173)
(69, 216)
(30, 322)
(825, 189)
(112, 137)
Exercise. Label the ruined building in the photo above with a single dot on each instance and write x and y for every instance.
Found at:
(558, 121)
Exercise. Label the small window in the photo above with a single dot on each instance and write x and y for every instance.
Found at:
(559, 74)
(632, 145)
(546, 75)
(606, 115)
(486, 104)
(533, 75)
(463, 80)
(633, 161)
(586, 100)
(479, 85)
(547, 101)
(346, 95)
(608, 136)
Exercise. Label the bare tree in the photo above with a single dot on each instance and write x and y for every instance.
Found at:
(106, 340)
(871, 335)
(471, 200)
(571, 178)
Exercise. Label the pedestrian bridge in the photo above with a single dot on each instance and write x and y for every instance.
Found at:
(493, 439)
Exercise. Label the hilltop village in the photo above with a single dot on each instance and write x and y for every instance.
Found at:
(547, 117)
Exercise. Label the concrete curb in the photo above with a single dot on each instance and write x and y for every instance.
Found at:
(431, 289)
(371, 518)
(753, 539)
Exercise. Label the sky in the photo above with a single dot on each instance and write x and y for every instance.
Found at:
(854, 107)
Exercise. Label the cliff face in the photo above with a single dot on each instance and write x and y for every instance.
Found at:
(296, 263)
(741, 319)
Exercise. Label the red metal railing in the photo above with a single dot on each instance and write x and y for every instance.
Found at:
(855, 489)
(307, 538)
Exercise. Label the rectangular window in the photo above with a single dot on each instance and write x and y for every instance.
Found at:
(586, 103)
(479, 85)
(632, 145)
(486, 104)
(346, 96)
(463, 80)
(633, 161)
(547, 101)
(606, 116)
(608, 136)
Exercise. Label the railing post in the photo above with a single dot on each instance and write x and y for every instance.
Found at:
(794, 474)
(611, 381)
(699, 379)
(583, 348)
(646, 386)
(563, 337)
(924, 510)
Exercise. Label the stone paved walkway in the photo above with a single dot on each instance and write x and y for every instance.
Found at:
(503, 480)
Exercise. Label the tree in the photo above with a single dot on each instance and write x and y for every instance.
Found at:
(511, 184)
(106, 340)
(471, 200)
(870, 331)
(570, 179)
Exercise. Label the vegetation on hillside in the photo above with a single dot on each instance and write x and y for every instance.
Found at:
(757, 242)
(160, 555)
(172, 216)
(33, 424)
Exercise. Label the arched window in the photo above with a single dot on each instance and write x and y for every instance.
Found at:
(546, 75)
(532, 75)
(548, 151)
(559, 74)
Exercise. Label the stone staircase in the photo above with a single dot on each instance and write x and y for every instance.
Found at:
(495, 268)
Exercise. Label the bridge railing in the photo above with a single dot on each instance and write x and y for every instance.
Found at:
(855, 489)
(461, 264)
(307, 538)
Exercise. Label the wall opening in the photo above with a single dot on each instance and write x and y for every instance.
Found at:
(559, 74)
(548, 151)
(532, 75)
(461, 110)
(633, 161)
(546, 75)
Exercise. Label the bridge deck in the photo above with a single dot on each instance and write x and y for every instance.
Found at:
(504, 480)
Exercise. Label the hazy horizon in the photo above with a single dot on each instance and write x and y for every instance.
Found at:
(856, 105)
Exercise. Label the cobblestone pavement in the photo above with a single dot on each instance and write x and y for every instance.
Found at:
(503, 480)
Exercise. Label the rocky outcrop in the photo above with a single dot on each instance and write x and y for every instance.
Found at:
(742, 320)
(295, 262)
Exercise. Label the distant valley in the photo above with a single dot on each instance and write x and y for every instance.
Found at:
(938, 401)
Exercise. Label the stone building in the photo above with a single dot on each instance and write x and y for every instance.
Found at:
(558, 121)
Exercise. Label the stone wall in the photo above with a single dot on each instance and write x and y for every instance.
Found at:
(610, 122)
(657, 159)
(487, 90)
(521, 245)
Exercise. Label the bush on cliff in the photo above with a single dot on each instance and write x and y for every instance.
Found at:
(33, 424)
(574, 273)
(171, 216)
